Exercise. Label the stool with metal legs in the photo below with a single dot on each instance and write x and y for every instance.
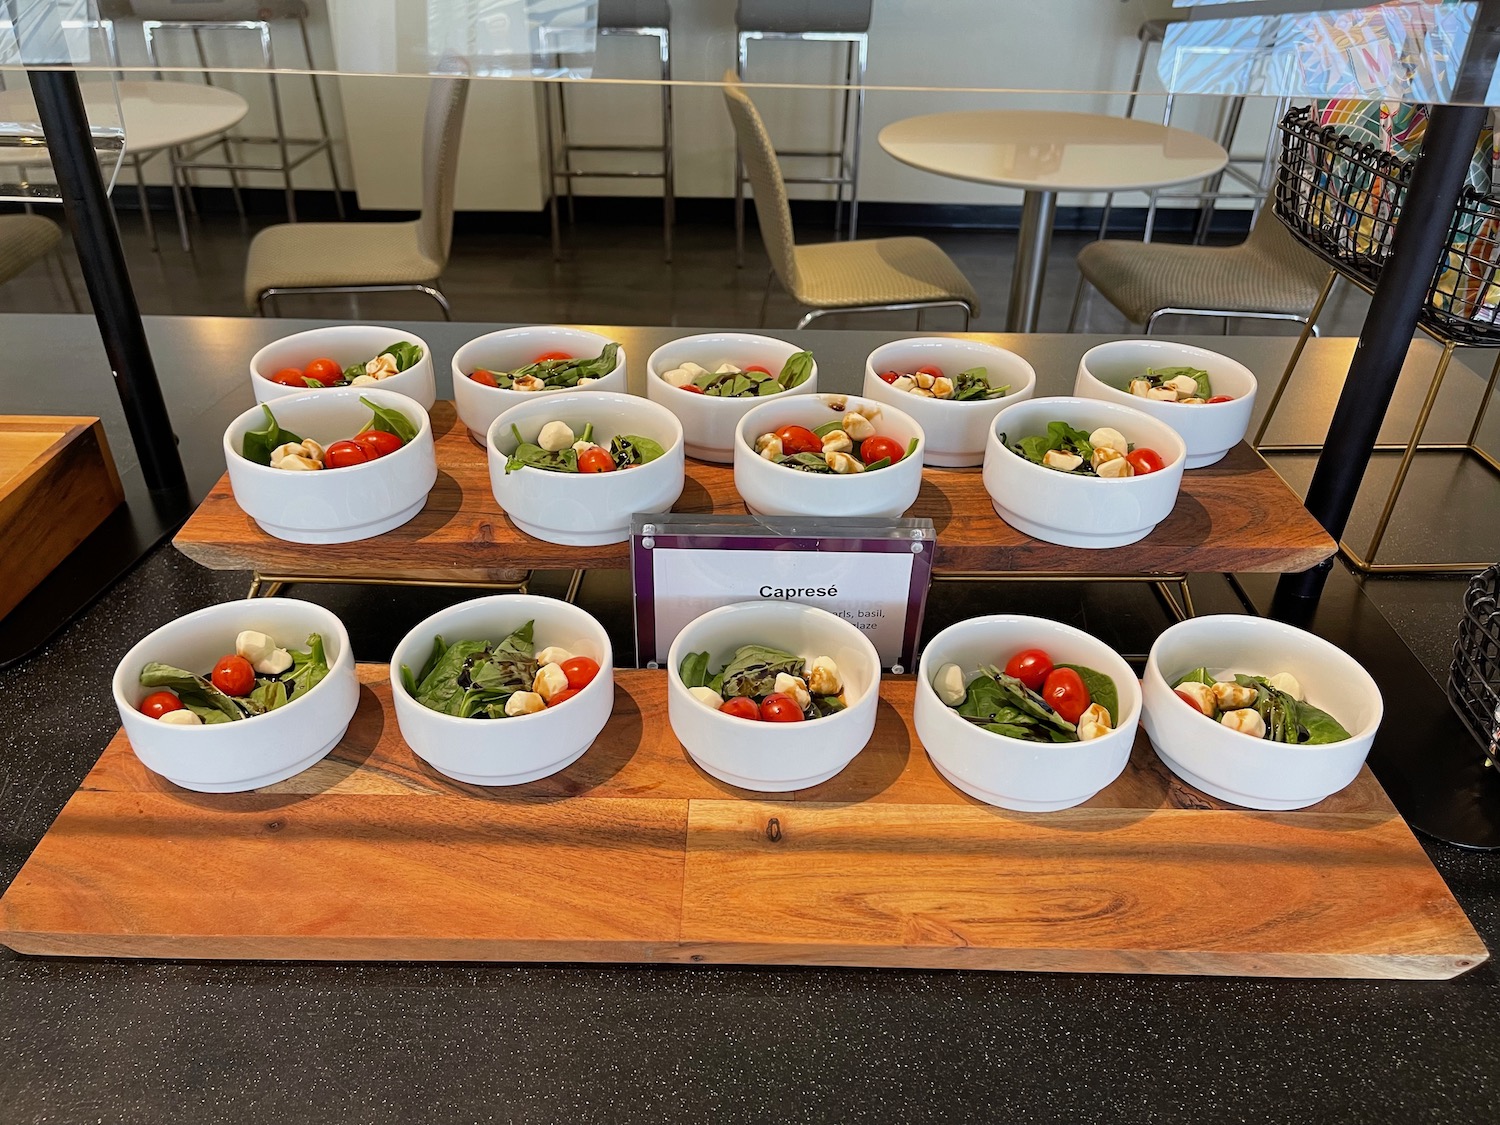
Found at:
(827, 21)
(651, 18)
(254, 16)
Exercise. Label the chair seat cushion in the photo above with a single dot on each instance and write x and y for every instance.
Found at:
(1139, 278)
(315, 255)
(24, 241)
(795, 17)
(879, 271)
(635, 13)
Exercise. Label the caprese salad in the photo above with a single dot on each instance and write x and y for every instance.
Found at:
(551, 371)
(1187, 385)
(258, 676)
(1032, 698)
(387, 431)
(728, 381)
(324, 372)
(1101, 453)
(844, 445)
(559, 449)
(485, 680)
(1269, 707)
(766, 684)
(930, 382)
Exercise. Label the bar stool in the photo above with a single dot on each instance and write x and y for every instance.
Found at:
(822, 21)
(254, 16)
(616, 17)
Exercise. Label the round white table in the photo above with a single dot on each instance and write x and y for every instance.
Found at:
(157, 116)
(1043, 152)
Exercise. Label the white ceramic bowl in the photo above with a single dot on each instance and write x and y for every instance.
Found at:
(1209, 430)
(956, 431)
(585, 509)
(332, 505)
(769, 489)
(1073, 510)
(1235, 767)
(521, 748)
(247, 753)
(774, 757)
(345, 344)
(1010, 772)
(708, 423)
(509, 349)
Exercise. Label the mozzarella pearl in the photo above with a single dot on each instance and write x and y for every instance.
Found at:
(794, 686)
(1246, 720)
(707, 696)
(949, 685)
(556, 436)
(524, 703)
(823, 676)
(550, 680)
(181, 718)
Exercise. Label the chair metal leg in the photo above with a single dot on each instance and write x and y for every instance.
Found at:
(740, 61)
(1308, 329)
(177, 202)
(281, 145)
(145, 201)
(230, 157)
(863, 44)
(67, 280)
(550, 155)
(668, 169)
(1077, 302)
(317, 93)
(765, 300)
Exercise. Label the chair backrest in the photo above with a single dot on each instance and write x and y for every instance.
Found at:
(772, 211)
(1271, 239)
(441, 133)
(797, 17)
(208, 11)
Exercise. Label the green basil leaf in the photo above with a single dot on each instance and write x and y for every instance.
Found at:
(259, 444)
(796, 370)
(1102, 690)
(694, 669)
(390, 420)
(267, 696)
(754, 669)
(1196, 676)
(911, 446)
(352, 372)
(632, 449)
(196, 692)
(308, 668)
(1321, 727)
(828, 427)
(406, 354)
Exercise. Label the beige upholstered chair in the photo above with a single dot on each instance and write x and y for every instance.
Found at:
(866, 275)
(372, 257)
(24, 241)
(1269, 276)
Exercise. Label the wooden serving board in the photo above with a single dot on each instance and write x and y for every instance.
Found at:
(633, 854)
(1237, 515)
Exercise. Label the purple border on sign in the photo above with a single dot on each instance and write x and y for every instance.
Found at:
(643, 575)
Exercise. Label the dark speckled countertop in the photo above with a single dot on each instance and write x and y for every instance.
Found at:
(199, 1042)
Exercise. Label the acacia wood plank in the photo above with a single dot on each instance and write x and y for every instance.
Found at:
(633, 854)
(1237, 515)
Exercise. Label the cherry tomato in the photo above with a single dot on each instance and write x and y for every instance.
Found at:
(324, 371)
(778, 707)
(562, 697)
(890, 376)
(1064, 690)
(483, 377)
(741, 707)
(596, 459)
(758, 367)
(158, 703)
(1031, 666)
(1191, 702)
(233, 675)
(799, 439)
(1145, 461)
(1222, 398)
(290, 377)
(342, 454)
(878, 448)
(547, 357)
(377, 443)
(935, 372)
(580, 671)
(691, 389)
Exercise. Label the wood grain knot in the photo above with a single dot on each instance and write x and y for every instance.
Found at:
(275, 825)
(773, 830)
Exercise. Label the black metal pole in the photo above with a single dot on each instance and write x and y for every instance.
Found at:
(91, 220)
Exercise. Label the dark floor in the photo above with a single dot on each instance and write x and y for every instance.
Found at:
(613, 273)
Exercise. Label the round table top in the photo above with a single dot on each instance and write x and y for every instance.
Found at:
(1051, 150)
(156, 115)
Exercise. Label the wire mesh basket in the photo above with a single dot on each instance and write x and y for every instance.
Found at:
(1342, 199)
(1474, 680)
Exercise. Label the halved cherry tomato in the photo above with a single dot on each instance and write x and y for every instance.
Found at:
(799, 439)
(878, 448)
(483, 377)
(1145, 461)
(691, 389)
(377, 442)
(158, 703)
(580, 671)
(778, 707)
(1064, 690)
(741, 707)
(935, 372)
(890, 376)
(233, 675)
(290, 377)
(325, 371)
(1191, 702)
(562, 697)
(758, 367)
(1222, 398)
(547, 357)
(596, 459)
(1031, 666)
(342, 454)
